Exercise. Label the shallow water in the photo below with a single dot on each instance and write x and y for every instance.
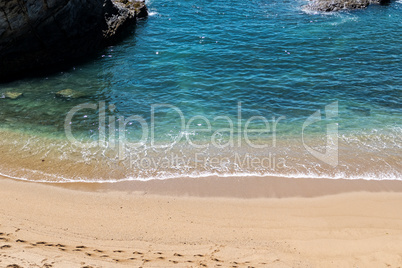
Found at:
(233, 59)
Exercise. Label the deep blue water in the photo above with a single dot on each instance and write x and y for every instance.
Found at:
(204, 57)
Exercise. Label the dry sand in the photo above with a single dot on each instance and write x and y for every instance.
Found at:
(102, 226)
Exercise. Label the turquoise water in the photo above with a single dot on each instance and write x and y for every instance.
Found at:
(271, 59)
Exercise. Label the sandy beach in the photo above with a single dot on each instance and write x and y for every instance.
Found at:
(103, 226)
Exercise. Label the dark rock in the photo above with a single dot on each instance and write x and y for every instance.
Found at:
(121, 14)
(384, 2)
(36, 34)
(336, 5)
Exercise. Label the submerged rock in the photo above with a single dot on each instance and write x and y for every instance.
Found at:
(41, 34)
(337, 5)
(70, 94)
(11, 95)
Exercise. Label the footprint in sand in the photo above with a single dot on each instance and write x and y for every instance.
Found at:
(5, 246)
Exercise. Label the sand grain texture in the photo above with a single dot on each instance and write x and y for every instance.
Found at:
(47, 226)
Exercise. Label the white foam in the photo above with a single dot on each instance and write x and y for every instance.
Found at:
(381, 146)
(63, 180)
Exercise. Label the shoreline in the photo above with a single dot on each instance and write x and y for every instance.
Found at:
(52, 160)
(98, 227)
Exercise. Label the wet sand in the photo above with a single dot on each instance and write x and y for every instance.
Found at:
(243, 187)
(205, 222)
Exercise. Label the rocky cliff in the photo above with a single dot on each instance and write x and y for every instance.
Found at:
(36, 34)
